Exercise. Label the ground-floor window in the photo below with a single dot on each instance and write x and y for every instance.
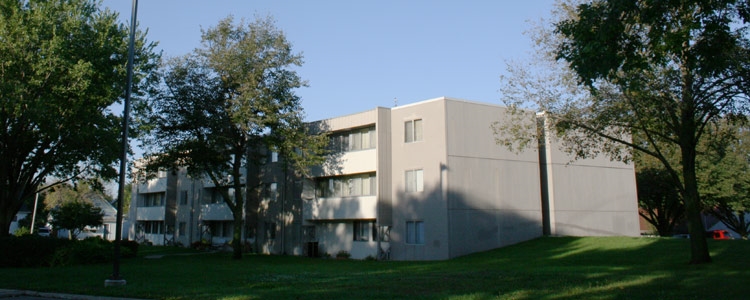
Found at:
(270, 230)
(415, 232)
(182, 228)
(221, 228)
(153, 227)
(365, 231)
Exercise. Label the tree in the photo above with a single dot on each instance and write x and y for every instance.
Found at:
(659, 200)
(75, 216)
(725, 181)
(662, 71)
(62, 65)
(224, 105)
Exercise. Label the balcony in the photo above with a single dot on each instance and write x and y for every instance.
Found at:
(150, 213)
(364, 207)
(153, 186)
(215, 212)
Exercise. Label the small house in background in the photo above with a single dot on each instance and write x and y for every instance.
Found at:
(106, 231)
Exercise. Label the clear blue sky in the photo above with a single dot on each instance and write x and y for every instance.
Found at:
(363, 54)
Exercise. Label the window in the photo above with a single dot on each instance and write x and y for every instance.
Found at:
(269, 191)
(152, 200)
(184, 197)
(415, 232)
(308, 231)
(414, 181)
(365, 231)
(274, 156)
(270, 230)
(182, 228)
(153, 227)
(353, 140)
(347, 186)
(221, 228)
(216, 197)
(413, 131)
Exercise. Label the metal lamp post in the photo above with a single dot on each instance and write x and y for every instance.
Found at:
(115, 279)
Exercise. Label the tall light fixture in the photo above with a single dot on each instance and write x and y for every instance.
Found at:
(115, 279)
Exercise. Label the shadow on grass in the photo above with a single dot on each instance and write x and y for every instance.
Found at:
(545, 268)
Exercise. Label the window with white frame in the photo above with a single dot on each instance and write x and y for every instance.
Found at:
(353, 140)
(152, 227)
(415, 232)
(347, 186)
(182, 228)
(414, 180)
(364, 231)
(152, 199)
(413, 131)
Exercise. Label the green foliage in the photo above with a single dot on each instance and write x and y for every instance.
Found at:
(28, 250)
(87, 251)
(225, 106)
(62, 68)
(75, 216)
(21, 231)
(651, 76)
(129, 248)
(342, 254)
(659, 200)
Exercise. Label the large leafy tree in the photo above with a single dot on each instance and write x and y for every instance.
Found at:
(62, 66)
(677, 67)
(646, 75)
(222, 106)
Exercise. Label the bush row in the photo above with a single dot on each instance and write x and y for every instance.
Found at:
(36, 251)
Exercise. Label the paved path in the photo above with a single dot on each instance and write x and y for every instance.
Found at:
(31, 295)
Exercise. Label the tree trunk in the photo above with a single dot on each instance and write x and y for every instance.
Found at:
(237, 234)
(698, 245)
(5, 219)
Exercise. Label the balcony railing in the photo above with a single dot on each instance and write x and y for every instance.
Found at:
(363, 207)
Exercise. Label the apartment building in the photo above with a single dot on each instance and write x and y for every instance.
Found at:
(424, 181)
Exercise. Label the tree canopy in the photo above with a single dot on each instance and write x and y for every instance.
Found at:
(649, 76)
(75, 216)
(62, 66)
(227, 103)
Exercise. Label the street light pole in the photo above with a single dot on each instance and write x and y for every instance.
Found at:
(116, 280)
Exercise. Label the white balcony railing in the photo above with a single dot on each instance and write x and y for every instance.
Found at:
(150, 213)
(364, 207)
(216, 212)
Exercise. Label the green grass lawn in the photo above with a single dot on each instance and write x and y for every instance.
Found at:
(545, 268)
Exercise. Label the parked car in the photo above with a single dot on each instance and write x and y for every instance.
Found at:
(719, 234)
(43, 231)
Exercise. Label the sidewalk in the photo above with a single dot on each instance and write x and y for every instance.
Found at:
(32, 295)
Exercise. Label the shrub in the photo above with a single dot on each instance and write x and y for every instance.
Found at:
(343, 254)
(22, 231)
(88, 251)
(128, 248)
(29, 250)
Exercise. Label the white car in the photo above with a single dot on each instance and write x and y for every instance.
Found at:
(43, 231)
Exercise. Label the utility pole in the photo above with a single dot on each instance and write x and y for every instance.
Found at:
(115, 279)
